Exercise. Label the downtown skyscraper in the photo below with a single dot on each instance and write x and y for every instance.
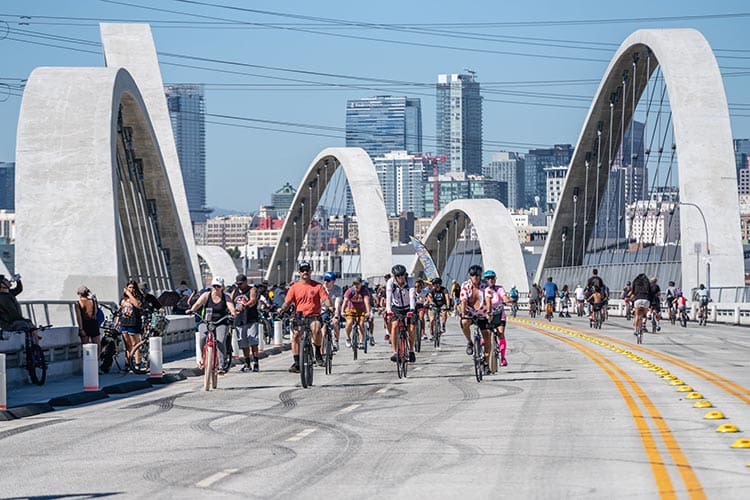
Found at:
(459, 122)
(382, 124)
(187, 113)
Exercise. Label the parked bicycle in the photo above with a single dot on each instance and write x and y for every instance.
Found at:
(154, 325)
(112, 343)
(36, 364)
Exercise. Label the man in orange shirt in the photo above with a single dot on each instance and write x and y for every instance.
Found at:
(307, 295)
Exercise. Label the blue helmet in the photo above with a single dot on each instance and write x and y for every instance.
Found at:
(489, 273)
(329, 276)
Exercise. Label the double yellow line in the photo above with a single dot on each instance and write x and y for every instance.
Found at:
(628, 388)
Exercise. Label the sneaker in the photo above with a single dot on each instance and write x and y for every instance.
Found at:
(245, 367)
(372, 341)
(424, 337)
(469, 348)
(487, 369)
(362, 347)
(294, 368)
(394, 357)
(336, 346)
(256, 368)
(348, 343)
(658, 328)
(503, 362)
(412, 357)
(319, 360)
(387, 337)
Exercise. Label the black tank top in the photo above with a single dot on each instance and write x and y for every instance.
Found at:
(250, 313)
(219, 309)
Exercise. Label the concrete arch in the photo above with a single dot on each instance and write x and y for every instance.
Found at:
(218, 261)
(705, 156)
(496, 233)
(71, 203)
(372, 221)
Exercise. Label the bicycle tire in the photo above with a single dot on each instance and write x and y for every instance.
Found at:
(208, 366)
(418, 337)
(309, 363)
(366, 338)
(36, 365)
(328, 356)
(355, 340)
(145, 365)
(404, 355)
(683, 320)
(267, 331)
(478, 359)
(494, 355)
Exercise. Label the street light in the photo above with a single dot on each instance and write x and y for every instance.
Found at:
(708, 248)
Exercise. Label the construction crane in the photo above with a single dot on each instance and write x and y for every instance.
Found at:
(435, 183)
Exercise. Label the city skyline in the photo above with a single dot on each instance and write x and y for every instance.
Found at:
(304, 75)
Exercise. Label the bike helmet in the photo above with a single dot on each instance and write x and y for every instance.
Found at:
(489, 273)
(671, 283)
(437, 281)
(398, 270)
(627, 283)
(329, 276)
(475, 270)
(304, 266)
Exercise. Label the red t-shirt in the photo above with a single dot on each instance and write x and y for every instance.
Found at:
(307, 297)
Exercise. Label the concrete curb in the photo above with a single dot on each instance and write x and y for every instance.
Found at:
(78, 398)
(125, 387)
(30, 410)
(191, 372)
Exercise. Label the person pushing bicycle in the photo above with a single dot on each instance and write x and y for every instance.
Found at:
(11, 318)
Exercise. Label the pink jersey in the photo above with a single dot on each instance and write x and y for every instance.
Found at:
(495, 295)
(466, 295)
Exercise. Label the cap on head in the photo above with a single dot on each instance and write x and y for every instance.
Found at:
(304, 266)
(218, 280)
(241, 278)
(329, 276)
(437, 281)
(489, 273)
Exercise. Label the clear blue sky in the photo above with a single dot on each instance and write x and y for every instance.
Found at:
(418, 40)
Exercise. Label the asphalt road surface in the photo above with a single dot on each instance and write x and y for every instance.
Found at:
(577, 413)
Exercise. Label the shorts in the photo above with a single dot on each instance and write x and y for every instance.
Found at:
(597, 307)
(130, 330)
(90, 328)
(248, 335)
(400, 312)
(498, 320)
(656, 306)
(433, 312)
(355, 314)
(641, 304)
(481, 321)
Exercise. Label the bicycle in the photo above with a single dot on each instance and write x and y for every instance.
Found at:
(153, 325)
(112, 343)
(367, 337)
(436, 332)
(533, 308)
(672, 313)
(495, 357)
(703, 314)
(549, 309)
(628, 310)
(306, 352)
(36, 364)
(683, 317)
(478, 348)
(580, 308)
(514, 308)
(639, 329)
(210, 354)
(596, 321)
(355, 338)
(418, 333)
(265, 318)
(402, 347)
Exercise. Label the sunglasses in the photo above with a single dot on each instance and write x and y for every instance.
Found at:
(473, 274)
(217, 286)
(305, 270)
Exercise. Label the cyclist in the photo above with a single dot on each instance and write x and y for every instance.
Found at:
(356, 307)
(400, 300)
(656, 303)
(550, 293)
(307, 296)
(10, 309)
(420, 298)
(701, 295)
(596, 299)
(534, 295)
(334, 294)
(220, 305)
(370, 318)
(472, 307)
(455, 297)
(495, 298)
(594, 282)
(246, 299)
(625, 296)
(565, 302)
(641, 296)
(671, 296)
(580, 298)
(514, 297)
(438, 301)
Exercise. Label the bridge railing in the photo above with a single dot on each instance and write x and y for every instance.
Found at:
(726, 294)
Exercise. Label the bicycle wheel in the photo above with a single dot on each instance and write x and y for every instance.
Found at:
(208, 366)
(267, 331)
(308, 364)
(328, 356)
(418, 336)
(36, 365)
(404, 354)
(355, 340)
(478, 359)
(683, 320)
(143, 367)
(215, 371)
(366, 338)
(494, 355)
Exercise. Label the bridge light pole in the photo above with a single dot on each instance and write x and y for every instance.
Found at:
(708, 248)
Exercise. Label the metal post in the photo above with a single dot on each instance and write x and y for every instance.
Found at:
(3, 394)
(708, 248)
(90, 367)
(155, 357)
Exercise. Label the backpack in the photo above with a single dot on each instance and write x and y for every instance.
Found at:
(513, 293)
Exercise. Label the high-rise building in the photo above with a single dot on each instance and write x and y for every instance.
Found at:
(402, 177)
(741, 154)
(535, 162)
(282, 199)
(456, 186)
(508, 167)
(459, 122)
(7, 185)
(382, 124)
(554, 183)
(187, 113)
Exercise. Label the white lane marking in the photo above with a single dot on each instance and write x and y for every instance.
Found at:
(381, 391)
(434, 353)
(302, 434)
(215, 477)
(350, 408)
(418, 368)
